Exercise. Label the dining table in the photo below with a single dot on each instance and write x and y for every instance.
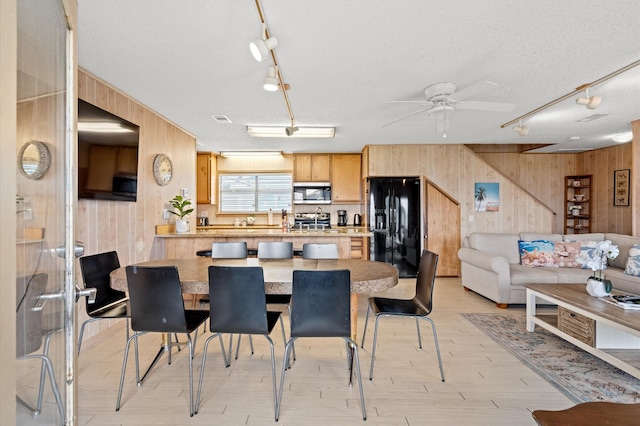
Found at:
(366, 276)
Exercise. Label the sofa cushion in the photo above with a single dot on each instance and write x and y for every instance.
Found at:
(633, 261)
(592, 236)
(622, 281)
(573, 275)
(536, 253)
(521, 275)
(565, 252)
(505, 245)
(624, 243)
(532, 236)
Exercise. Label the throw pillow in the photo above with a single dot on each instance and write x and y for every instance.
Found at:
(565, 252)
(536, 253)
(633, 261)
(587, 248)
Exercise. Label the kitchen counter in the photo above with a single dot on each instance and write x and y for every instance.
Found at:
(352, 241)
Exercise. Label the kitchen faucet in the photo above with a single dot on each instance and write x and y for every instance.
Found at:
(318, 210)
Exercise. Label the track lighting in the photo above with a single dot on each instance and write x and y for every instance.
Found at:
(260, 48)
(520, 129)
(271, 81)
(291, 130)
(590, 102)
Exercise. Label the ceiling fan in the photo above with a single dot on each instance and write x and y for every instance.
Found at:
(442, 100)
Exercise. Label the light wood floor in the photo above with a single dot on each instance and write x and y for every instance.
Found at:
(484, 385)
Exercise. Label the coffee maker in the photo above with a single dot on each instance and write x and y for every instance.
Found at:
(342, 218)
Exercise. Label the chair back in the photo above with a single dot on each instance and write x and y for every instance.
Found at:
(320, 251)
(237, 300)
(321, 303)
(426, 279)
(156, 299)
(275, 250)
(233, 250)
(95, 274)
(29, 321)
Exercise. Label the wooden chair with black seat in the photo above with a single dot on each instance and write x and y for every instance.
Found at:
(157, 306)
(30, 333)
(419, 307)
(109, 303)
(321, 307)
(238, 305)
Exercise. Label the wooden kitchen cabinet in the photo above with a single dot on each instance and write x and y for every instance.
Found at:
(206, 178)
(346, 179)
(312, 168)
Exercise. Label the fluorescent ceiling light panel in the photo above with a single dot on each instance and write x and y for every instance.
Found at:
(102, 127)
(280, 132)
(251, 153)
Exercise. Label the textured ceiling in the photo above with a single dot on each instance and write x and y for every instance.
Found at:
(347, 60)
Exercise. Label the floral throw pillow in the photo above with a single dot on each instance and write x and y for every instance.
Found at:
(588, 251)
(633, 261)
(536, 253)
(565, 252)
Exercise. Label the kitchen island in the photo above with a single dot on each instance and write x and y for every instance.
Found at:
(352, 241)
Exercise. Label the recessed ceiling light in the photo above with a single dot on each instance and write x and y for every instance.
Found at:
(574, 138)
(622, 137)
(222, 119)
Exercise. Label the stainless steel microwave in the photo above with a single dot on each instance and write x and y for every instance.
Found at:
(311, 193)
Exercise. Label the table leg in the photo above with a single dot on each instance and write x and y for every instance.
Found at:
(531, 310)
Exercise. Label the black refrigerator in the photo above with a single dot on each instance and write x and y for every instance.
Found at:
(396, 222)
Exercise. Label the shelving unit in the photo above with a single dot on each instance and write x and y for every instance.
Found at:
(578, 213)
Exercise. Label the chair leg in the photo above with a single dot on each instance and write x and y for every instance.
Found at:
(124, 369)
(47, 366)
(191, 351)
(273, 374)
(204, 360)
(366, 321)
(293, 345)
(419, 336)
(435, 339)
(373, 350)
(287, 353)
(354, 345)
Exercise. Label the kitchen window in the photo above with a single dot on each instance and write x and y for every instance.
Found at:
(257, 193)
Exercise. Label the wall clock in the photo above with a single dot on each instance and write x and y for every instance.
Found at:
(162, 169)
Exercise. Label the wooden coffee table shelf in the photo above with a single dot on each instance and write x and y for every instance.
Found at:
(600, 328)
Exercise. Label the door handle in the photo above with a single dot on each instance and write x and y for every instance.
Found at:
(89, 293)
(78, 250)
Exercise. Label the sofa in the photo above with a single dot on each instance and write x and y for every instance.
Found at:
(496, 265)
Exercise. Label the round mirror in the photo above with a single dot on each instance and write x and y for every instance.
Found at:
(34, 159)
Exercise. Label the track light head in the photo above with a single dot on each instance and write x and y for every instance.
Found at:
(271, 81)
(260, 48)
(590, 102)
(521, 130)
(291, 130)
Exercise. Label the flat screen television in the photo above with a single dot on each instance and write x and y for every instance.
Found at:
(107, 155)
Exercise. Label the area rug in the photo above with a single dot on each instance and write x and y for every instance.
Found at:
(580, 376)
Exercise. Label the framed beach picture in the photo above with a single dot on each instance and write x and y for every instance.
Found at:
(487, 196)
(621, 181)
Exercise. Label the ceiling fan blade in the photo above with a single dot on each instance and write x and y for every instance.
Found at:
(486, 106)
(425, 103)
(474, 89)
(406, 116)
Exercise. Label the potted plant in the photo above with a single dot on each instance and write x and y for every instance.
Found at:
(182, 208)
(596, 260)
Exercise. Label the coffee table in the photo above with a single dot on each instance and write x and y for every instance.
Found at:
(600, 328)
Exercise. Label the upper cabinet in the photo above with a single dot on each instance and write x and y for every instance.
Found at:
(346, 179)
(312, 168)
(205, 178)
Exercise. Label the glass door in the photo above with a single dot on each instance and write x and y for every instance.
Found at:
(45, 194)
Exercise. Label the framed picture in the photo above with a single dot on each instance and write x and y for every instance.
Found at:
(487, 196)
(621, 181)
